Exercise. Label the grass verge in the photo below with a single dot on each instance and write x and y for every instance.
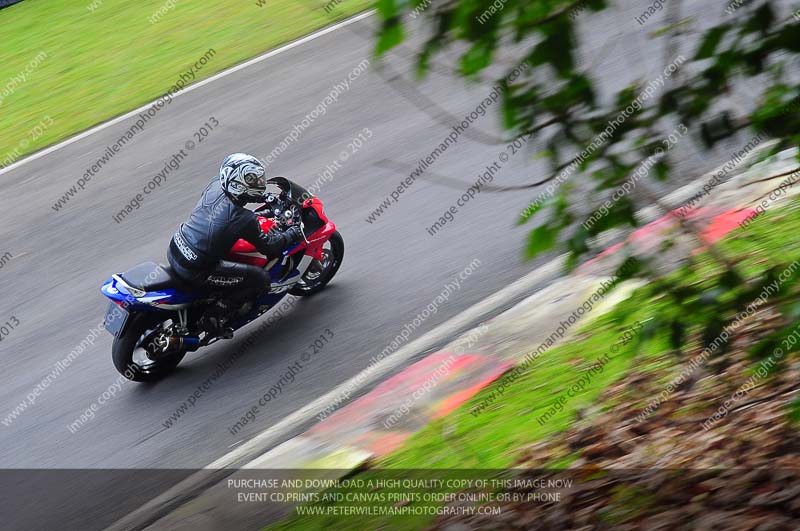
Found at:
(66, 65)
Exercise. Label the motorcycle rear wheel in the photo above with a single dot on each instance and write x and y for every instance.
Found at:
(130, 354)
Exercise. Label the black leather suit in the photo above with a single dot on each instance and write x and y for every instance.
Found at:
(198, 247)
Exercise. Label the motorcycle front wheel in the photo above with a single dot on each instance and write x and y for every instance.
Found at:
(320, 272)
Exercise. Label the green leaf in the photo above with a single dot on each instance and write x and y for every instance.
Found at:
(390, 36)
(631, 267)
(787, 39)
(540, 239)
(712, 331)
(478, 57)
(711, 41)
(508, 108)
(677, 334)
(730, 279)
(765, 347)
(387, 9)
(763, 18)
(577, 244)
(662, 170)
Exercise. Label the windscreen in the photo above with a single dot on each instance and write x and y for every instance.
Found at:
(298, 193)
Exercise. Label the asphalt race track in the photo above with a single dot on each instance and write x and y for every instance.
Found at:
(392, 269)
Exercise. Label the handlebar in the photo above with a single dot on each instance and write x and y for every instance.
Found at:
(282, 211)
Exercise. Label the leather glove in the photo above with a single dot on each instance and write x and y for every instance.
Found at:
(294, 234)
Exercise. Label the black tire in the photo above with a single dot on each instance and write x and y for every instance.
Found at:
(304, 287)
(131, 340)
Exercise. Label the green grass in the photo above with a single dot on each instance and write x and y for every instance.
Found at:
(102, 63)
(493, 440)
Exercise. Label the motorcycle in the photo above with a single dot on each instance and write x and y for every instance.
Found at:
(156, 319)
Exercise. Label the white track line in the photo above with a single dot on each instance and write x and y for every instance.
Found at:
(220, 75)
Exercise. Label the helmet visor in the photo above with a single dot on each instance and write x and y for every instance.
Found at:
(258, 182)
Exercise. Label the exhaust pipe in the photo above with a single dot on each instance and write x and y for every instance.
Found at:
(179, 343)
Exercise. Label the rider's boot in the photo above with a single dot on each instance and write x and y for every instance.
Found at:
(236, 305)
(218, 317)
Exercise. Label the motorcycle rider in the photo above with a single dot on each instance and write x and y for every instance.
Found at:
(197, 249)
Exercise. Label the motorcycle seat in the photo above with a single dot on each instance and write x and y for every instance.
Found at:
(150, 276)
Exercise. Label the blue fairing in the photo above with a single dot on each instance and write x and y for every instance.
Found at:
(151, 300)
(275, 273)
(119, 293)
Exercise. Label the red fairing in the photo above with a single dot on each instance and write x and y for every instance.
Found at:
(317, 239)
(316, 242)
(316, 204)
(244, 252)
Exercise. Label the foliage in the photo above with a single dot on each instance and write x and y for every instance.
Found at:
(558, 103)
